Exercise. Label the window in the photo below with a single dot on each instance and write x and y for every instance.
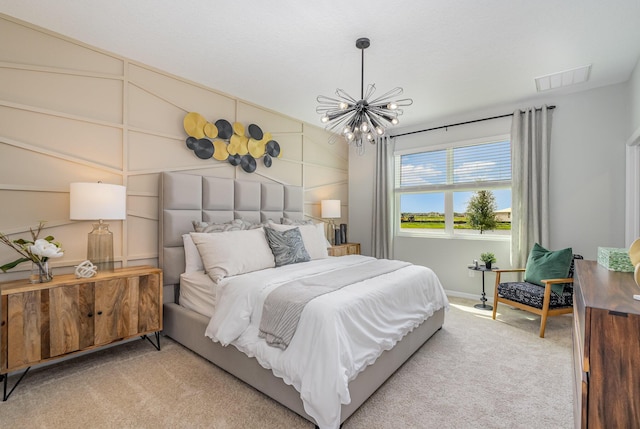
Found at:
(433, 188)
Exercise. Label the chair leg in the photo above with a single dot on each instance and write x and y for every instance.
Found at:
(545, 309)
(543, 324)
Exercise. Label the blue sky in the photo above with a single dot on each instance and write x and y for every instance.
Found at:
(460, 165)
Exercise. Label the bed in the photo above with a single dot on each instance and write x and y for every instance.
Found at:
(185, 198)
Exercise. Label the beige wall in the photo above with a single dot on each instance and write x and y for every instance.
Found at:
(71, 113)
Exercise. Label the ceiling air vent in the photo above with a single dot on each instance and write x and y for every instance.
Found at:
(562, 79)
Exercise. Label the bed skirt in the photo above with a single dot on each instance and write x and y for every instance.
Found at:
(187, 328)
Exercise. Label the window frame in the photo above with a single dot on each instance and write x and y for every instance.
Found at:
(448, 189)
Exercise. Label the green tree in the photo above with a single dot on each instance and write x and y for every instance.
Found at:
(481, 211)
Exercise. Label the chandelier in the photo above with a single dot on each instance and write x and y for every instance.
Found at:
(364, 119)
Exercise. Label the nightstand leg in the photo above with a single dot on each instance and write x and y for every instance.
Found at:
(157, 343)
(6, 395)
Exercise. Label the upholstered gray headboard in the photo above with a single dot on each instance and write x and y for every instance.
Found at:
(187, 197)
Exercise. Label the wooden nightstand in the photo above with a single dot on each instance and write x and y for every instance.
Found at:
(344, 249)
(46, 321)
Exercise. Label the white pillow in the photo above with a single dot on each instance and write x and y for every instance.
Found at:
(192, 259)
(231, 253)
(312, 236)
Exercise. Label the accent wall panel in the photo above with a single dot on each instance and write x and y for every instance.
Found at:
(33, 170)
(152, 113)
(268, 121)
(289, 173)
(318, 150)
(51, 50)
(84, 96)
(318, 154)
(149, 152)
(317, 176)
(184, 95)
(66, 136)
(138, 248)
(18, 204)
(290, 146)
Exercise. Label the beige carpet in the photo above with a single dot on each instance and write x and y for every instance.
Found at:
(474, 373)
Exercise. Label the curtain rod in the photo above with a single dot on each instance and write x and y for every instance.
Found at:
(462, 123)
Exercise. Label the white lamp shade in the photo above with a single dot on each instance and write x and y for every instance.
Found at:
(97, 201)
(330, 209)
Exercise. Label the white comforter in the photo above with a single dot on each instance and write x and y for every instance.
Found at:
(339, 333)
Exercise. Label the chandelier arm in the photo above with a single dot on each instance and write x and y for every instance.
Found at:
(340, 121)
(371, 88)
(404, 102)
(389, 95)
(383, 111)
(344, 96)
(328, 100)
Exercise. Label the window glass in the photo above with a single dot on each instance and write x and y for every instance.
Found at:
(422, 211)
(434, 189)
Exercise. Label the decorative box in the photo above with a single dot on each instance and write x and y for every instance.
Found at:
(615, 259)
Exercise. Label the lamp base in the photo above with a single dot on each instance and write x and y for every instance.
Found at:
(100, 247)
(332, 232)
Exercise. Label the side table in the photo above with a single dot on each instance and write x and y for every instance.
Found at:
(483, 269)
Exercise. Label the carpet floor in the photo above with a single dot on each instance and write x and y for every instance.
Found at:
(473, 373)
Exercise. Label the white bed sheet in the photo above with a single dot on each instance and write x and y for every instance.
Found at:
(339, 333)
(198, 292)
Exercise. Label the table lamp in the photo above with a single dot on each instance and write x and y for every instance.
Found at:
(98, 201)
(330, 209)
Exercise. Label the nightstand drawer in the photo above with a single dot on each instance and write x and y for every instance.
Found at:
(344, 249)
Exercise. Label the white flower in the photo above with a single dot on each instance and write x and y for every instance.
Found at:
(44, 249)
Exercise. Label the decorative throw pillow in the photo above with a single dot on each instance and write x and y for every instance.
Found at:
(321, 228)
(287, 246)
(232, 225)
(312, 236)
(287, 221)
(544, 264)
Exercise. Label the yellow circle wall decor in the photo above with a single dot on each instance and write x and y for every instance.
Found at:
(236, 144)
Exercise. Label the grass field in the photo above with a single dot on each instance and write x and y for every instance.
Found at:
(437, 222)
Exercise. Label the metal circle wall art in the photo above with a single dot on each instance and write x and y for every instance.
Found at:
(234, 143)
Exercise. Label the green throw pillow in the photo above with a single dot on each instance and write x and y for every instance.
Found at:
(545, 264)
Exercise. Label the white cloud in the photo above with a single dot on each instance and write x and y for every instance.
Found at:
(418, 175)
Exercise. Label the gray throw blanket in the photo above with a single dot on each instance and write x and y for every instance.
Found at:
(283, 306)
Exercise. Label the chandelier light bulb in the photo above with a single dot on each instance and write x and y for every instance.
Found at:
(395, 121)
(325, 119)
(346, 129)
(364, 127)
(369, 136)
(379, 130)
(350, 136)
(343, 105)
(392, 105)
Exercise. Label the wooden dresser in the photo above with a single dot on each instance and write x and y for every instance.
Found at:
(606, 348)
(46, 321)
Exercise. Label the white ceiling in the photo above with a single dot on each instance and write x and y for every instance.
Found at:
(450, 56)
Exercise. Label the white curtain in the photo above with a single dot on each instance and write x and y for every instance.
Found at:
(530, 137)
(381, 234)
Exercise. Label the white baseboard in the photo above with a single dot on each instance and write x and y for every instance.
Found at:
(472, 296)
